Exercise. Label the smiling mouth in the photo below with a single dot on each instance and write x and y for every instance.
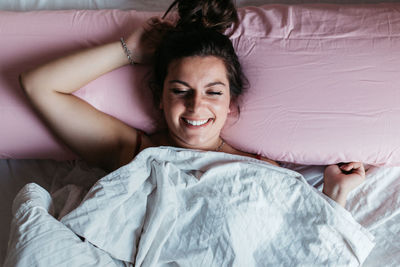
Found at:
(196, 123)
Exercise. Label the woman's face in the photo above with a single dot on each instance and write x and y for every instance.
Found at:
(196, 101)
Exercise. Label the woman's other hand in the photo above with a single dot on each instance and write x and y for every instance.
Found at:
(144, 40)
(340, 179)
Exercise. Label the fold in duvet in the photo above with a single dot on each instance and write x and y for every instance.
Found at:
(183, 207)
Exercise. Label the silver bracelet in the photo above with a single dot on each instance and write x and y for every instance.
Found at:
(128, 52)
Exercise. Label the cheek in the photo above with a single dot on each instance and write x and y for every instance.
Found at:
(172, 107)
(223, 105)
(221, 110)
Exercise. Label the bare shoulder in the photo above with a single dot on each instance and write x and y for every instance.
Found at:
(132, 146)
(270, 161)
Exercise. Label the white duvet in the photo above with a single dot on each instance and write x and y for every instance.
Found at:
(182, 207)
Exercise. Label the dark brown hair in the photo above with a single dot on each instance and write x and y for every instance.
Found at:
(199, 32)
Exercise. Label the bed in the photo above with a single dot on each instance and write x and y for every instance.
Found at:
(375, 205)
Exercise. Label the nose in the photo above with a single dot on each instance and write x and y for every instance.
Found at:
(194, 101)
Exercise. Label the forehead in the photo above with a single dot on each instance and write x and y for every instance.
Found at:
(197, 68)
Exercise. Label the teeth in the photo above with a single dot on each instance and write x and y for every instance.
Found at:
(196, 123)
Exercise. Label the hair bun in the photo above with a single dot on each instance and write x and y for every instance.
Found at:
(213, 14)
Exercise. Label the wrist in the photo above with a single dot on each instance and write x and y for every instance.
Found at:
(127, 51)
(336, 194)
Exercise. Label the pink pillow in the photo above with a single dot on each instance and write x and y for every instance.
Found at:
(325, 83)
(324, 86)
(31, 38)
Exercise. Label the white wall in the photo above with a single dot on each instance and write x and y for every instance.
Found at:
(144, 5)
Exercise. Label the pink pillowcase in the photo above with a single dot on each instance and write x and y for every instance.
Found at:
(324, 86)
(31, 38)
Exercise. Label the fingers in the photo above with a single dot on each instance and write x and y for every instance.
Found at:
(346, 166)
(351, 165)
(156, 27)
(334, 169)
(154, 21)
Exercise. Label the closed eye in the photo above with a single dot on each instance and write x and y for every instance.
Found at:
(177, 91)
(215, 93)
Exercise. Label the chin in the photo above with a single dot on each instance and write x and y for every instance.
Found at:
(193, 137)
(194, 142)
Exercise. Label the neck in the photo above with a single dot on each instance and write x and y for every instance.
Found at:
(214, 145)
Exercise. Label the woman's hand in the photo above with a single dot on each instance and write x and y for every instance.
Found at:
(340, 179)
(144, 40)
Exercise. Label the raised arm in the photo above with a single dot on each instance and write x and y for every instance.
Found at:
(71, 72)
(95, 136)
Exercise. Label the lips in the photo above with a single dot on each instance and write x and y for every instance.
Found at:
(196, 123)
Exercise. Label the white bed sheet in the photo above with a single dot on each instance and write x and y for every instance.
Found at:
(375, 204)
(49, 174)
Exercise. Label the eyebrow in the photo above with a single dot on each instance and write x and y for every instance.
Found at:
(208, 85)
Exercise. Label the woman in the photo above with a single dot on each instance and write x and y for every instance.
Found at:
(197, 78)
